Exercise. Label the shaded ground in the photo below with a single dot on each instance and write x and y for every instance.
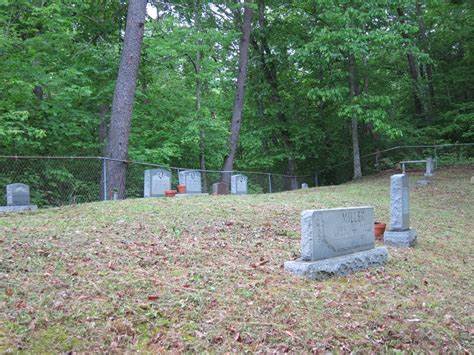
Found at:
(207, 274)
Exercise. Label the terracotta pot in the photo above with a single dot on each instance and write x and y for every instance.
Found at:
(170, 193)
(182, 188)
(379, 229)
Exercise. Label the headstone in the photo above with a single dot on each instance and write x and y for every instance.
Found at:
(192, 180)
(220, 188)
(18, 199)
(337, 241)
(472, 179)
(429, 167)
(156, 182)
(18, 195)
(399, 233)
(304, 185)
(238, 184)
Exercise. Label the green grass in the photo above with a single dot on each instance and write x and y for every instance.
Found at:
(206, 274)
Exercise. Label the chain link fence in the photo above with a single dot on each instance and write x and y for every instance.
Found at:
(442, 154)
(56, 181)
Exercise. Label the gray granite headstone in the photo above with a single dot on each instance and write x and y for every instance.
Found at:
(156, 182)
(336, 241)
(328, 233)
(399, 202)
(192, 180)
(18, 199)
(429, 167)
(238, 184)
(399, 233)
(18, 195)
(304, 185)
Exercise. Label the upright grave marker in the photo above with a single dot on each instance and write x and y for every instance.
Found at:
(399, 233)
(220, 188)
(304, 185)
(192, 180)
(239, 184)
(429, 167)
(336, 242)
(18, 199)
(156, 182)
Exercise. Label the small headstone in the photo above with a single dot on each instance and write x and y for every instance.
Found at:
(238, 184)
(18, 195)
(220, 188)
(157, 181)
(472, 179)
(304, 185)
(192, 180)
(399, 233)
(337, 241)
(18, 199)
(429, 167)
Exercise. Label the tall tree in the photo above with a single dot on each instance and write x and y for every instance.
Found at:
(122, 103)
(239, 93)
(354, 92)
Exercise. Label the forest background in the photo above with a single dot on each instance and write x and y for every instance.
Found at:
(322, 76)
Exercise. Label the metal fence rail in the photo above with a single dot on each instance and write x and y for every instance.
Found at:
(56, 181)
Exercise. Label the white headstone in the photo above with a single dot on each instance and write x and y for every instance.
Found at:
(192, 180)
(156, 182)
(239, 184)
(304, 185)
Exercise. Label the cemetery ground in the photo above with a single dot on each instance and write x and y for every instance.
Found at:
(206, 273)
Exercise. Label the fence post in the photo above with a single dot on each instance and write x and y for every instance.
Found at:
(316, 180)
(104, 180)
(435, 157)
(270, 183)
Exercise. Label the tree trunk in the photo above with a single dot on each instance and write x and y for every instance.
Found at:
(271, 77)
(122, 103)
(414, 73)
(428, 70)
(239, 94)
(354, 91)
(197, 67)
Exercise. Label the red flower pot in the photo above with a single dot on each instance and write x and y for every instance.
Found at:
(170, 193)
(379, 229)
(182, 188)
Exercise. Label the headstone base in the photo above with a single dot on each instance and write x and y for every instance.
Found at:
(400, 239)
(340, 266)
(13, 209)
(191, 195)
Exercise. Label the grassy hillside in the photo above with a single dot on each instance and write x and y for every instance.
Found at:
(207, 274)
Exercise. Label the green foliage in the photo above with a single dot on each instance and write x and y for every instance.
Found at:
(59, 64)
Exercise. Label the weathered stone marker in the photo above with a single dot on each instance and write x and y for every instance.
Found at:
(220, 188)
(304, 185)
(336, 242)
(18, 195)
(429, 167)
(156, 182)
(399, 233)
(238, 184)
(192, 180)
(18, 199)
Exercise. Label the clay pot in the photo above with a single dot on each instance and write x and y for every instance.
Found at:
(170, 193)
(182, 188)
(379, 229)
